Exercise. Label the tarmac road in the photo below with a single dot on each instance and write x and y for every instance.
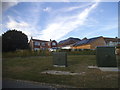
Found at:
(17, 84)
(9, 83)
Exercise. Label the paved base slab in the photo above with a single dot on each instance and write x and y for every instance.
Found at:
(105, 68)
(109, 69)
(61, 72)
(59, 66)
(92, 67)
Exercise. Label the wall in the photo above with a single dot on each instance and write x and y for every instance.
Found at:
(31, 45)
(97, 42)
(82, 47)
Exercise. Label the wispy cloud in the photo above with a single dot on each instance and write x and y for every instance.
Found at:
(76, 7)
(21, 25)
(7, 5)
(64, 25)
(55, 29)
(47, 9)
(26, 24)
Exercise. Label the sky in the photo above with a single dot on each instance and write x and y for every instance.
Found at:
(61, 20)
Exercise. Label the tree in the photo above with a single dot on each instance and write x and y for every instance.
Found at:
(13, 40)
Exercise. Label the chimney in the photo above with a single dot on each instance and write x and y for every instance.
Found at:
(50, 40)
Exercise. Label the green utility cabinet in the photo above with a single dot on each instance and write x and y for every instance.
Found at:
(106, 56)
(60, 59)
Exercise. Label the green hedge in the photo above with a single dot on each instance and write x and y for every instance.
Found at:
(25, 53)
(90, 52)
(78, 51)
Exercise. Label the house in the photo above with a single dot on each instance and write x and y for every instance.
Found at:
(36, 44)
(112, 41)
(92, 43)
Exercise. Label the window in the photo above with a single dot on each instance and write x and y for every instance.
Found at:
(53, 43)
(43, 44)
(37, 43)
(49, 44)
(112, 43)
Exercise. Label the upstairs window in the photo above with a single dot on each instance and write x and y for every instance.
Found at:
(43, 44)
(111, 43)
(53, 43)
(48, 44)
(37, 43)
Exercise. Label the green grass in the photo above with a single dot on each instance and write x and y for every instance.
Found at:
(30, 68)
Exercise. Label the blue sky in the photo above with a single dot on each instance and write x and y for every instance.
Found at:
(60, 20)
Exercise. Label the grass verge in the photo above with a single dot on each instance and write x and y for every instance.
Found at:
(30, 68)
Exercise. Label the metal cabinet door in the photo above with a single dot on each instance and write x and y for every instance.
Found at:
(106, 57)
(60, 58)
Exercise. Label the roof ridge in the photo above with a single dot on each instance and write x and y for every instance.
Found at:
(86, 41)
(40, 40)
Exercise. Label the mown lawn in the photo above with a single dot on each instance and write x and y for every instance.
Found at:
(30, 68)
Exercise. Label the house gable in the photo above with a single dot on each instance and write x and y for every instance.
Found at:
(98, 42)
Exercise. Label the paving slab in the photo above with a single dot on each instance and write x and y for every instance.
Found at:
(61, 72)
(114, 69)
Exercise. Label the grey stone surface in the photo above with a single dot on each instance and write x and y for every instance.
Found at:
(61, 72)
(113, 69)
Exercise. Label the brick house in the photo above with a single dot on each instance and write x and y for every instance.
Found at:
(92, 43)
(112, 41)
(36, 44)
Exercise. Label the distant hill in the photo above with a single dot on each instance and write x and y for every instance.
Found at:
(68, 41)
